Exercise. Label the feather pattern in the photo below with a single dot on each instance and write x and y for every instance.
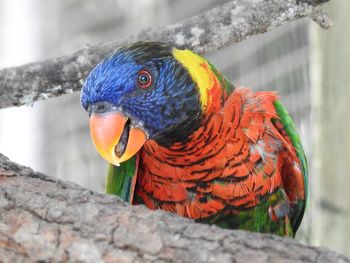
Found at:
(237, 160)
(216, 153)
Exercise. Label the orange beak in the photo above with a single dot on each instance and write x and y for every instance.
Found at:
(114, 139)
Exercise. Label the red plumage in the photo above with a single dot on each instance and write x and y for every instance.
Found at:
(240, 155)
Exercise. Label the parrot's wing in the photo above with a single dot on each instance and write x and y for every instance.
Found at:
(289, 132)
(254, 181)
(121, 179)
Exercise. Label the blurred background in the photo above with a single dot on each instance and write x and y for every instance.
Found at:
(309, 67)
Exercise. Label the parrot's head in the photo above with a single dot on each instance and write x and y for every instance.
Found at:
(145, 91)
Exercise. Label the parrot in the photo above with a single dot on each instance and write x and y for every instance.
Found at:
(180, 137)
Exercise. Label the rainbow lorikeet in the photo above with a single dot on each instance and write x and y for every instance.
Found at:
(180, 137)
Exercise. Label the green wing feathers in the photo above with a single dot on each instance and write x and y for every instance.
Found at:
(291, 131)
(121, 179)
(294, 137)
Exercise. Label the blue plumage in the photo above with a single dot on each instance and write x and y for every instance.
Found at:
(172, 101)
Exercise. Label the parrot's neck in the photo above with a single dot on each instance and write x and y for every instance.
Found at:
(185, 132)
(191, 158)
(206, 141)
(167, 173)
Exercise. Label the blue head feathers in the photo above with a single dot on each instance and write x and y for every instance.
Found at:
(149, 86)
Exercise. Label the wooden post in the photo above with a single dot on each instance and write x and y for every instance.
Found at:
(330, 184)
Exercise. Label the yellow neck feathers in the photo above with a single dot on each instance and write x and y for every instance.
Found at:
(201, 74)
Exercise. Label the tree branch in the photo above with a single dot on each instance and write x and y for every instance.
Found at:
(44, 219)
(207, 32)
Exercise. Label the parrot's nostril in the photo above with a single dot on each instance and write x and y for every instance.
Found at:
(123, 141)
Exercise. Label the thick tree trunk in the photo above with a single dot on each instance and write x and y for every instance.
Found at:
(44, 219)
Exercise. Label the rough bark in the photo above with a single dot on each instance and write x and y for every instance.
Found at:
(44, 219)
(207, 32)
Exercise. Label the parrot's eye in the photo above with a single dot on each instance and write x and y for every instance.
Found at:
(144, 79)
